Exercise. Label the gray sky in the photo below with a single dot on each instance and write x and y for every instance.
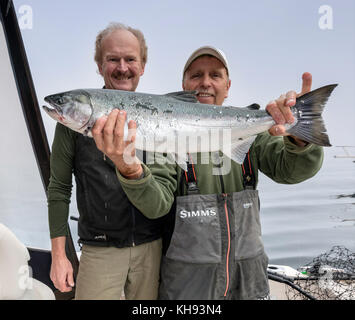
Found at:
(269, 44)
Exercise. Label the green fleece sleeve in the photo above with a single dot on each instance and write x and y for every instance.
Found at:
(60, 183)
(153, 195)
(284, 162)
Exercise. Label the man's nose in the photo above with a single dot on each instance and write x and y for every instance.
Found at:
(122, 66)
(205, 81)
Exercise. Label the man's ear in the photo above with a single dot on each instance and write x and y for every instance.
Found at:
(143, 69)
(229, 83)
(100, 68)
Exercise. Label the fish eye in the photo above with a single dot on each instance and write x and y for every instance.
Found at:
(61, 100)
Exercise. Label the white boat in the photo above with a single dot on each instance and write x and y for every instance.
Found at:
(19, 96)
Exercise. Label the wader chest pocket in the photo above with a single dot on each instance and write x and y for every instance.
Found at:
(248, 240)
(197, 234)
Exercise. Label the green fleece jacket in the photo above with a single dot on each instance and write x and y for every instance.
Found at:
(276, 157)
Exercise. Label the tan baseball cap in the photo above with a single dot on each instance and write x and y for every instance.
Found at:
(207, 50)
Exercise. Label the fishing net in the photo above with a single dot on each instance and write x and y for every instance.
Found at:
(330, 276)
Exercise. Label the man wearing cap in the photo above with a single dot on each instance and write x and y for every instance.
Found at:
(214, 250)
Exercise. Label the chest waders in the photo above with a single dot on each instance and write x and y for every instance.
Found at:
(216, 252)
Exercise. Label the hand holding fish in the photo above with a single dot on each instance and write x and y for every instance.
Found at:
(108, 133)
(280, 109)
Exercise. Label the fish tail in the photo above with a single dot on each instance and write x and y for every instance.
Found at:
(308, 111)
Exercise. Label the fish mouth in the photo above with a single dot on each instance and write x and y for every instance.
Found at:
(56, 107)
(50, 102)
(55, 112)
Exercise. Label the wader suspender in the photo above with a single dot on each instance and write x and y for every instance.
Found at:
(190, 177)
(249, 181)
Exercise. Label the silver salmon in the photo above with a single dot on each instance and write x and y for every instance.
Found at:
(177, 124)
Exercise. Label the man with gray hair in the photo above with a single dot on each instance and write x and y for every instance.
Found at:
(121, 248)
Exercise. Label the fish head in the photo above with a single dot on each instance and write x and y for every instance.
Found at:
(73, 109)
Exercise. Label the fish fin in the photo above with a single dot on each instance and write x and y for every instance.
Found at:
(239, 149)
(310, 125)
(181, 160)
(186, 96)
(253, 106)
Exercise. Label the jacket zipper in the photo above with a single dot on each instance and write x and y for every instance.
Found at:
(133, 216)
(133, 227)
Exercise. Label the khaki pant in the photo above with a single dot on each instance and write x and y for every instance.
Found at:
(106, 272)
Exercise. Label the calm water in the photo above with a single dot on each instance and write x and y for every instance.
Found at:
(299, 222)
(302, 221)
